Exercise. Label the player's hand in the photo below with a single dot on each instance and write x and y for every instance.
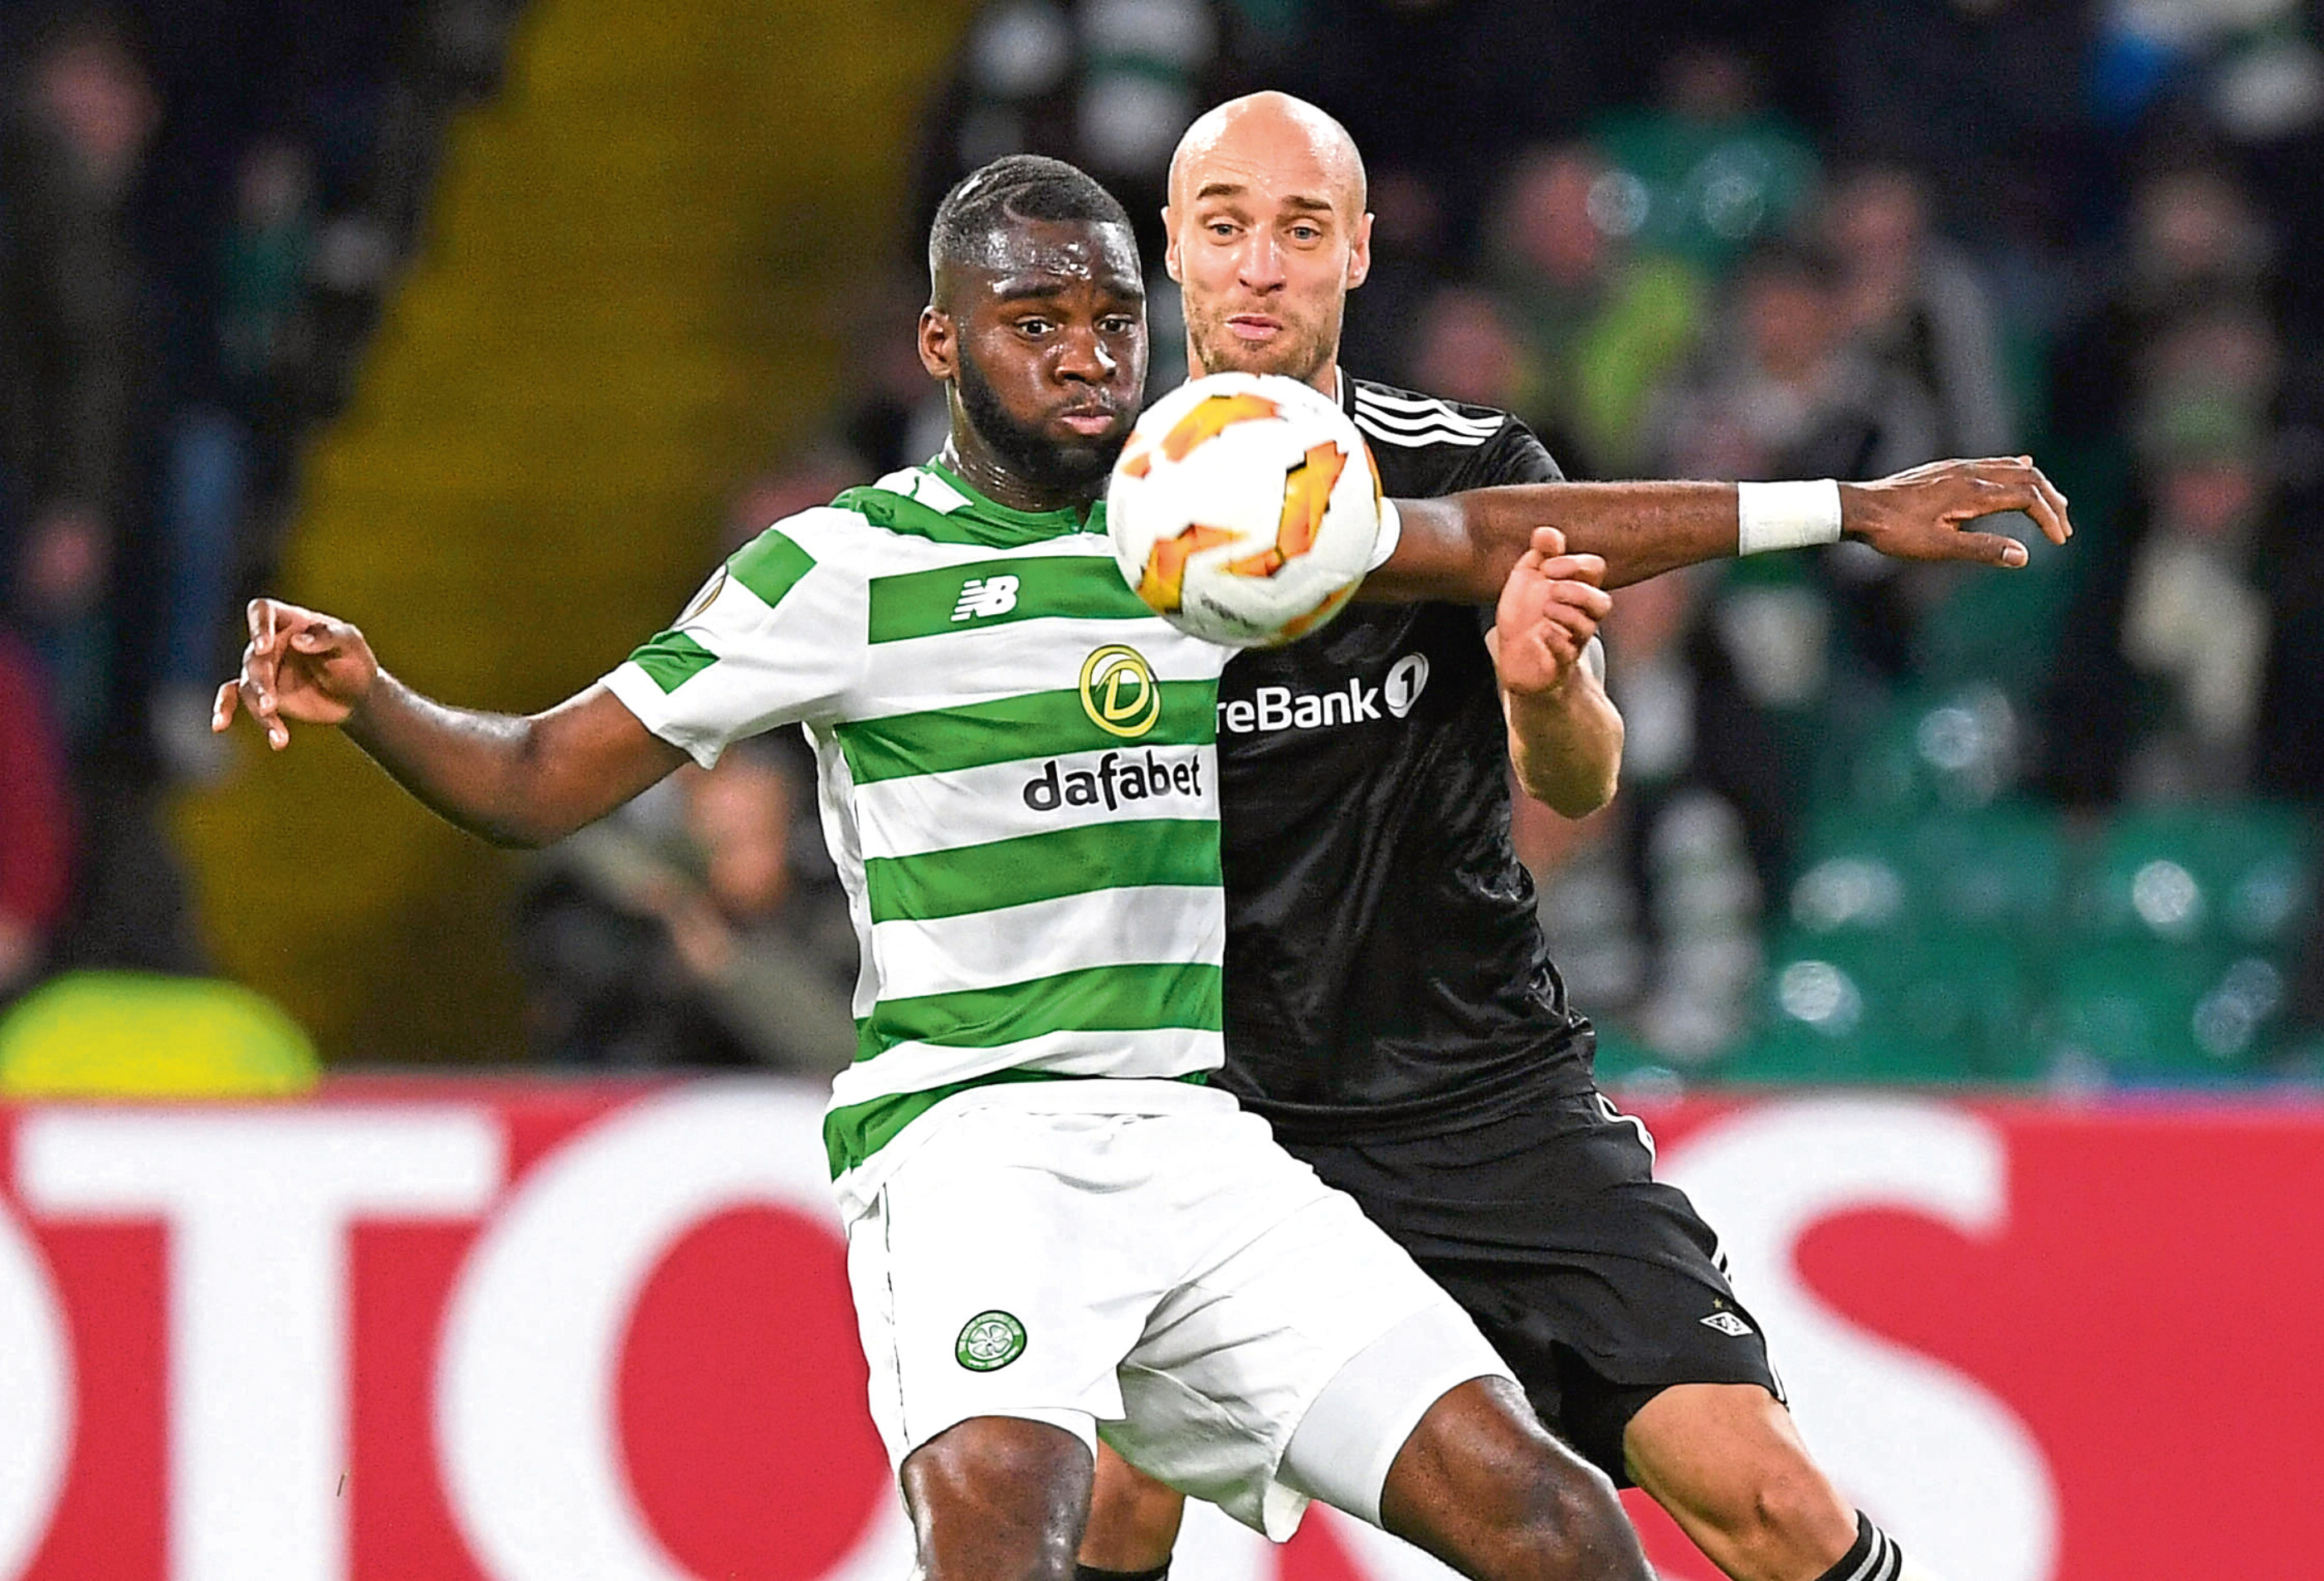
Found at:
(1917, 514)
(299, 665)
(1549, 610)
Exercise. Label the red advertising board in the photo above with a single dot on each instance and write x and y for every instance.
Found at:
(525, 1331)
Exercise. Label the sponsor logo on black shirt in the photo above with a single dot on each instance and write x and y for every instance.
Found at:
(1279, 707)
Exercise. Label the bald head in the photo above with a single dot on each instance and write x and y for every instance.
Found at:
(1277, 132)
(1267, 235)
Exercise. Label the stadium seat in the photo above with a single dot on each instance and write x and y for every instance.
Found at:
(2146, 1011)
(1955, 748)
(2000, 629)
(2003, 866)
(1923, 1004)
(136, 1035)
(2234, 876)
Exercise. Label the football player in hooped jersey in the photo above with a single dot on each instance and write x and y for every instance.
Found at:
(1390, 1006)
(1054, 1223)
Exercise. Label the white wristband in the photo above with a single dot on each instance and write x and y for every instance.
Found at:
(1785, 515)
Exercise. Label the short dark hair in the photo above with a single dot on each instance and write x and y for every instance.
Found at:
(1016, 187)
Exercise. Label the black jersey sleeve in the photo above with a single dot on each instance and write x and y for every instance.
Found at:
(1512, 455)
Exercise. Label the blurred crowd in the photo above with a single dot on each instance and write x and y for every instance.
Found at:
(201, 202)
(1794, 238)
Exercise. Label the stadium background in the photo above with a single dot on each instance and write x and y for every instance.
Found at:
(486, 324)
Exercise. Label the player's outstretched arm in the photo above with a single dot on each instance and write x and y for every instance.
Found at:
(1565, 736)
(513, 781)
(1460, 548)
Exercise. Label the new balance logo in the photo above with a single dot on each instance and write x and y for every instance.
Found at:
(983, 595)
(1728, 1324)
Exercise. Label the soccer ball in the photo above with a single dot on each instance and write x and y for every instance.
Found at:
(1244, 509)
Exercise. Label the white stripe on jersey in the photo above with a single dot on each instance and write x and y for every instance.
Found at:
(1411, 409)
(1016, 944)
(1431, 415)
(916, 813)
(1414, 441)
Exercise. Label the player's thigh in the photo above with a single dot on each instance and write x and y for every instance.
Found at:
(998, 1273)
(1251, 1347)
(997, 1496)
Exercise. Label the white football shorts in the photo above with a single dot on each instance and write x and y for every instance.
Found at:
(1174, 1282)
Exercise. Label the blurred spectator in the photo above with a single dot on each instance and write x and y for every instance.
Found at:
(1376, 338)
(2195, 242)
(1465, 352)
(817, 478)
(1783, 391)
(2252, 65)
(1601, 325)
(35, 833)
(1445, 90)
(1107, 85)
(1915, 302)
(2160, 672)
(680, 931)
(1659, 924)
(895, 416)
(1941, 87)
(222, 456)
(71, 345)
(1707, 170)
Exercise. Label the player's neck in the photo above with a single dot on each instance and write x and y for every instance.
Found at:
(990, 476)
(1326, 378)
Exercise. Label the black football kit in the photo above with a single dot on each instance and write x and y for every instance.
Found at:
(1391, 1008)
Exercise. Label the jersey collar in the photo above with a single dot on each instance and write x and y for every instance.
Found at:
(934, 502)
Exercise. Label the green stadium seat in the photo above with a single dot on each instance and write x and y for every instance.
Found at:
(2000, 628)
(2145, 1011)
(2234, 876)
(1925, 1004)
(1956, 748)
(2003, 867)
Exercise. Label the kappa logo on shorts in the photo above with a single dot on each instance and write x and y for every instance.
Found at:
(989, 1342)
(1728, 1324)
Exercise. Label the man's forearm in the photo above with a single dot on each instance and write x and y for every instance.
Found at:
(1566, 744)
(1640, 530)
(1460, 548)
(465, 766)
(513, 781)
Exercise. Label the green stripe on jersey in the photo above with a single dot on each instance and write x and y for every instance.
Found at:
(1036, 726)
(1132, 854)
(980, 522)
(999, 592)
(770, 566)
(671, 658)
(1094, 999)
(852, 1135)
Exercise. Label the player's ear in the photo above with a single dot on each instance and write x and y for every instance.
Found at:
(1360, 252)
(939, 343)
(1170, 244)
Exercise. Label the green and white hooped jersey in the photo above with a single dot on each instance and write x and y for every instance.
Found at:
(1018, 785)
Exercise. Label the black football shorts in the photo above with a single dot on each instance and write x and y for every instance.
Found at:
(1599, 1286)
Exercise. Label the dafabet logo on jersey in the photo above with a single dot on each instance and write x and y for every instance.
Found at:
(1119, 691)
(989, 1342)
